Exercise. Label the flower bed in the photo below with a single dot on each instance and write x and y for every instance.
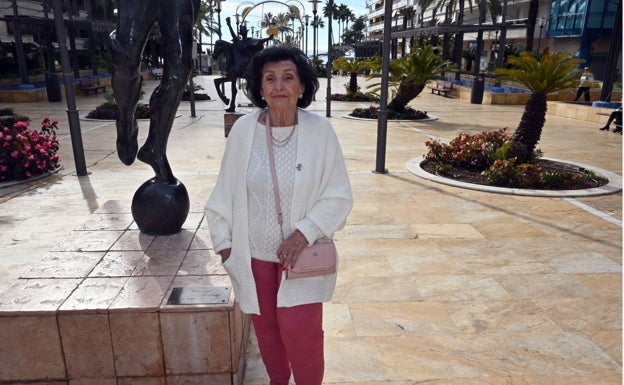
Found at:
(372, 112)
(24, 152)
(481, 159)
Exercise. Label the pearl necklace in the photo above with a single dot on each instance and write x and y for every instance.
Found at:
(283, 142)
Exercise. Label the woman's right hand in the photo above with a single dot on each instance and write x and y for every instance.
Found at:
(225, 254)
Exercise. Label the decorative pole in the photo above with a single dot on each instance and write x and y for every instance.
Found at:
(218, 9)
(72, 112)
(314, 28)
(330, 5)
(541, 27)
(382, 120)
(307, 20)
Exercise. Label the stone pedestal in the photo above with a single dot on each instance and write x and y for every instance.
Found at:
(228, 121)
(97, 309)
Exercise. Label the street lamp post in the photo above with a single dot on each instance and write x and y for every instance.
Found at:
(330, 5)
(307, 21)
(542, 23)
(218, 9)
(314, 27)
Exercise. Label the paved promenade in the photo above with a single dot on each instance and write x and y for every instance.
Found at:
(437, 284)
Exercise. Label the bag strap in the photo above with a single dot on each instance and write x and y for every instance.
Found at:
(278, 205)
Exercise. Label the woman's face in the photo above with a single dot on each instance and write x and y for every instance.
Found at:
(281, 86)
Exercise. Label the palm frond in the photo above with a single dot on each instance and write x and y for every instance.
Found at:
(550, 73)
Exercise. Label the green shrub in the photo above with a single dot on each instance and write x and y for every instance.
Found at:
(108, 111)
(475, 152)
(483, 158)
(372, 112)
(354, 97)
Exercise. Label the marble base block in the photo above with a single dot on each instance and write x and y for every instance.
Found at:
(96, 310)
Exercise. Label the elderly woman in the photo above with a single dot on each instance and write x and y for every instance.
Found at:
(315, 195)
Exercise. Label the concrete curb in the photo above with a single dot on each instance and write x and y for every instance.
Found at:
(614, 185)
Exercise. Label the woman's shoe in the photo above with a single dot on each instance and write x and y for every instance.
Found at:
(605, 128)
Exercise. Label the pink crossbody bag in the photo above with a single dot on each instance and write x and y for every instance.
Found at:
(316, 260)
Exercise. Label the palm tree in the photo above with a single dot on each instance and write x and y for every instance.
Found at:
(348, 16)
(317, 23)
(343, 15)
(356, 32)
(282, 23)
(550, 73)
(334, 11)
(412, 73)
(268, 20)
(353, 67)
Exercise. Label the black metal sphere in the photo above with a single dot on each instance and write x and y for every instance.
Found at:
(160, 208)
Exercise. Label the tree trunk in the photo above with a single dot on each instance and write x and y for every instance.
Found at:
(529, 131)
(407, 92)
(353, 86)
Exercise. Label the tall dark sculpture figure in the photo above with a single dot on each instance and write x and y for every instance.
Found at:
(237, 55)
(161, 204)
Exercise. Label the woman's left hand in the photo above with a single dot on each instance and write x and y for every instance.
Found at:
(289, 250)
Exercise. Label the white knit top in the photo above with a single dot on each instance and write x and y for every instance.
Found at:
(321, 201)
(264, 230)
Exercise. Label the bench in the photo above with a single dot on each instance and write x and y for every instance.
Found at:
(88, 85)
(442, 88)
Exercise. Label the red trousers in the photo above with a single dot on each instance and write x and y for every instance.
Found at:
(288, 337)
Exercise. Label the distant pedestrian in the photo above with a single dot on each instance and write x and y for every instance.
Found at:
(587, 80)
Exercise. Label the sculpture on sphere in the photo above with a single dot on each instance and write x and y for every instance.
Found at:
(161, 204)
(236, 55)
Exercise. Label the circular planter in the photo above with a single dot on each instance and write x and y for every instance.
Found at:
(614, 185)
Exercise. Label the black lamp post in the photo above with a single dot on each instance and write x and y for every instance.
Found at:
(19, 46)
(330, 5)
(314, 27)
(307, 21)
(541, 27)
(218, 9)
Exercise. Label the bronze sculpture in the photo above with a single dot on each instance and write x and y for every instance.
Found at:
(236, 56)
(161, 204)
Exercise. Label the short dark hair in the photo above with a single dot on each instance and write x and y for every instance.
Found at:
(305, 71)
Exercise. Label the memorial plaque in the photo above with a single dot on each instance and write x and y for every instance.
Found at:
(199, 295)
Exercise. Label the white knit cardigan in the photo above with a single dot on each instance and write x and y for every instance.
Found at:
(322, 197)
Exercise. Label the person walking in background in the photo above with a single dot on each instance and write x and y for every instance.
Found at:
(314, 188)
(587, 80)
(617, 116)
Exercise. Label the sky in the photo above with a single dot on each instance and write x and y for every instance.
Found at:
(229, 8)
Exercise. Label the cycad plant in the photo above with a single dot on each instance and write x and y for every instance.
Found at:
(352, 67)
(412, 73)
(549, 73)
